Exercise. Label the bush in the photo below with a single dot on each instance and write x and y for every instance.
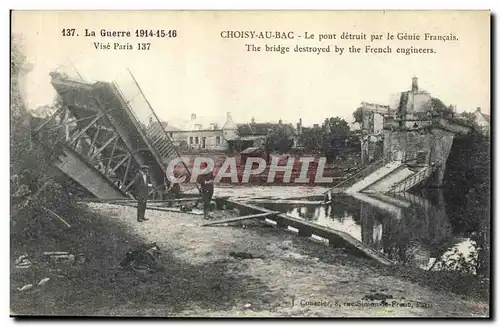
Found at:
(32, 187)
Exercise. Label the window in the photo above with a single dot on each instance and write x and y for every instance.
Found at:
(190, 140)
(171, 134)
(217, 140)
(196, 140)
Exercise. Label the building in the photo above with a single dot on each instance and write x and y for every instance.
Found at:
(403, 108)
(373, 118)
(254, 134)
(198, 133)
(412, 101)
(482, 120)
(201, 134)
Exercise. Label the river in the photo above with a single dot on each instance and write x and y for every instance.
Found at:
(411, 229)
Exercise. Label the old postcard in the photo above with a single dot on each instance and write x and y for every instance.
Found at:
(250, 163)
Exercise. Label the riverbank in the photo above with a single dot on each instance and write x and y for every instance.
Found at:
(288, 276)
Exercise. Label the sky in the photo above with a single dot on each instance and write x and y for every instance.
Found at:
(201, 72)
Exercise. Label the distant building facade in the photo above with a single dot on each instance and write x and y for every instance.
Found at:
(201, 135)
(482, 121)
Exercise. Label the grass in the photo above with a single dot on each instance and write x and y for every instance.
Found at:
(200, 278)
(98, 283)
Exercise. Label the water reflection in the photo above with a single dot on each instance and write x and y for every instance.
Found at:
(410, 229)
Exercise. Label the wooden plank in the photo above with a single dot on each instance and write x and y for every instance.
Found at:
(286, 201)
(75, 137)
(132, 201)
(165, 209)
(54, 115)
(248, 206)
(305, 232)
(335, 235)
(307, 228)
(230, 220)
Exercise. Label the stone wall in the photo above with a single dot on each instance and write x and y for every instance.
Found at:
(443, 141)
(434, 146)
(408, 143)
(214, 139)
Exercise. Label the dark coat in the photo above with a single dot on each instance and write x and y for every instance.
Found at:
(142, 189)
(203, 179)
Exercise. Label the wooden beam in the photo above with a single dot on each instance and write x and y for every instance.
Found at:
(68, 122)
(248, 206)
(132, 201)
(332, 234)
(108, 142)
(234, 219)
(57, 216)
(129, 184)
(126, 169)
(127, 157)
(275, 201)
(91, 147)
(80, 133)
(148, 207)
(58, 111)
(112, 154)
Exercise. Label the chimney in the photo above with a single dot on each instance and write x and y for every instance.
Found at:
(193, 116)
(300, 125)
(414, 84)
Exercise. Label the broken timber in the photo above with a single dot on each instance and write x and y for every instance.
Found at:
(307, 229)
(119, 201)
(241, 218)
(165, 209)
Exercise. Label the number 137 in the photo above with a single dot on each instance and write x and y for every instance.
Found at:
(143, 46)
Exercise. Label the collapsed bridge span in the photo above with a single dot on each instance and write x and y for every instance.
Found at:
(101, 141)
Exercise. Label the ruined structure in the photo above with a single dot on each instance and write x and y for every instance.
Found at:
(405, 144)
(101, 139)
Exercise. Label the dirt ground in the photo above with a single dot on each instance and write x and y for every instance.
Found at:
(289, 276)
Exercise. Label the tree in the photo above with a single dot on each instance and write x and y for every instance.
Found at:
(469, 117)
(440, 108)
(311, 139)
(335, 133)
(279, 139)
(336, 126)
(20, 119)
(468, 181)
(358, 115)
(31, 186)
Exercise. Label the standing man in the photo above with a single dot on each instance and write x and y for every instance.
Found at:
(206, 182)
(141, 186)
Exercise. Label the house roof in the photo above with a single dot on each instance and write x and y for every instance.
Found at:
(166, 126)
(252, 150)
(261, 128)
(487, 117)
(252, 137)
(200, 123)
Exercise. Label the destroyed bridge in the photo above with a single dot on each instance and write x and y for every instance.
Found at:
(100, 135)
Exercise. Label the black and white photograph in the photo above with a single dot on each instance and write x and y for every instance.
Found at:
(250, 164)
